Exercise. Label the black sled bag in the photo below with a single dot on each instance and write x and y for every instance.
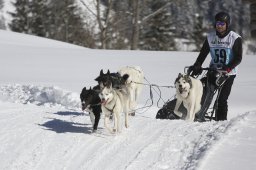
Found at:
(166, 112)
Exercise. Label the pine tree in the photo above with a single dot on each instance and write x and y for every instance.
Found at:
(38, 17)
(60, 20)
(21, 17)
(29, 17)
(65, 23)
(121, 25)
(158, 33)
(199, 32)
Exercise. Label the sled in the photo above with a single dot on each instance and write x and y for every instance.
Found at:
(212, 81)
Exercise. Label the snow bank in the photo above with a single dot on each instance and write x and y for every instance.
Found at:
(39, 95)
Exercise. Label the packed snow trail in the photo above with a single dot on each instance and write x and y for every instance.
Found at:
(44, 133)
(236, 150)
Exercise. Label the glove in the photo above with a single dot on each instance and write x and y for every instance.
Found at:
(196, 69)
(226, 68)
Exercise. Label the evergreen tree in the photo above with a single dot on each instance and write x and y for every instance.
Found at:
(199, 33)
(29, 17)
(21, 17)
(121, 24)
(60, 20)
(38, 17)
(66, 23)
(158, 33)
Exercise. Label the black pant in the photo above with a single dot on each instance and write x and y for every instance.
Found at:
(222, 110)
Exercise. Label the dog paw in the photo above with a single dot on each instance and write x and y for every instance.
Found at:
(178, 113)
(189, 120)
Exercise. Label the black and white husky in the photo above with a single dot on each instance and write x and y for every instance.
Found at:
(114, 101)
(189, 91)
(91, 103)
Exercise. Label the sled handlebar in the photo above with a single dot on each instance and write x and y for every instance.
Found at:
(186, 70)
(215, 69)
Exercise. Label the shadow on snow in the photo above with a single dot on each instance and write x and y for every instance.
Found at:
(63, 126)
(68, 113)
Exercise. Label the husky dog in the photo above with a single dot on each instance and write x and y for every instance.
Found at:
(133, 83)
(91, 103)
(189, 91)
(117, 81)
(114, 101)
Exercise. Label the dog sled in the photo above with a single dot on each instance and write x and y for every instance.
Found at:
(212, 80)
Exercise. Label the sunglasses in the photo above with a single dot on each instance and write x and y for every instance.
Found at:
(220, 23)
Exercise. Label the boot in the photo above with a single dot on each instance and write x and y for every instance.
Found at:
(221, 112)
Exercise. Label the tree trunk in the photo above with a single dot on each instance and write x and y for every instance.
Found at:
(135, 28)
(104, 26)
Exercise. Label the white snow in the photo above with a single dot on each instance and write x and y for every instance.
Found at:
(42, 126)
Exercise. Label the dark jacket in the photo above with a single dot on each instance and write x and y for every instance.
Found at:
(237, 52)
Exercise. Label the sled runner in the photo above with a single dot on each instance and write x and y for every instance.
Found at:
(212, 82)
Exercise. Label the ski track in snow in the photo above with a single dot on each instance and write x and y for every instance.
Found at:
(54, 134)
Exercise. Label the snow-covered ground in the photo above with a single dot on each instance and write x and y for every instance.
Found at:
(42, 126)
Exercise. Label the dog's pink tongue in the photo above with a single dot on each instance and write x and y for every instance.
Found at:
(103, 102)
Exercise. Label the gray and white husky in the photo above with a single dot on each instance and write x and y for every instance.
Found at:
(189, 91)
(114, 101)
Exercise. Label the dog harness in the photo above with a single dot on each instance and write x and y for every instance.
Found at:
(111, 110)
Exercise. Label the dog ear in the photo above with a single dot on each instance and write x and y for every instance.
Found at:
(101, 72)
(177, 79)
(188, 79)
(125, 77)
(83, 90)
(180, 75)
(90, 88)
(97, 79)
(108, 72)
